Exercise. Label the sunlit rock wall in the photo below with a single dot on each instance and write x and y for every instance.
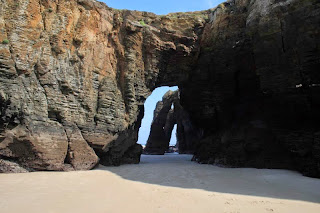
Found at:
(74, 76)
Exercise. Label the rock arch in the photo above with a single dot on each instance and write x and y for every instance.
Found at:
(76, 89)
(75, 74)
(165, 117)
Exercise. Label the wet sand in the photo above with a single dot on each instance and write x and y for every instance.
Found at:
(170, 183)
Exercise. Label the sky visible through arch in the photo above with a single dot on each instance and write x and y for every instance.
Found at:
(149, 107)
(160, 7)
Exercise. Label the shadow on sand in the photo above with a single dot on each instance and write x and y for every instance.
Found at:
(178, 171)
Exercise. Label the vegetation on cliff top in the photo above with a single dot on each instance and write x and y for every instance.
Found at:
(5, 41)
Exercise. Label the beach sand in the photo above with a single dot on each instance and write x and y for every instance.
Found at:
(170, 183)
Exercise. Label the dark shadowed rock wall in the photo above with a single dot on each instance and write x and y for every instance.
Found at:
(74, 76)
(188, 135)
(162, 125)
(256, 88)
(167, 113)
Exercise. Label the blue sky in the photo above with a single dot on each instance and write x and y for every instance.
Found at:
(164, 6)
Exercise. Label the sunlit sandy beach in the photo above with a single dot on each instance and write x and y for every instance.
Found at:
(170, 183)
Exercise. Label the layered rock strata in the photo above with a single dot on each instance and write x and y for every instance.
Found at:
(256, 88)
(188, 135)
(74, 76)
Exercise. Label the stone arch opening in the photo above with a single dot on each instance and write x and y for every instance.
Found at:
(167, 114)
(174, 145)
(149, 108)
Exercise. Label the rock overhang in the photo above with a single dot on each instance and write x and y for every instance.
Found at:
(87, 69)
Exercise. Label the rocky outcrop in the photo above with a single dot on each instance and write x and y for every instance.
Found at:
(255, 91)
(169, 112)
(162, 125)
(11, 167)
(74, 76)
(188, 135)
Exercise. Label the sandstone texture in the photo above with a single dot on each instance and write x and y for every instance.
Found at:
(74, 76)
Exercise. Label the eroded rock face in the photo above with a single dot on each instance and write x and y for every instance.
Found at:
(11, 167)
(162, 125)
(188, 135)
(255, 91)
(169, 112)
(74, 76)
